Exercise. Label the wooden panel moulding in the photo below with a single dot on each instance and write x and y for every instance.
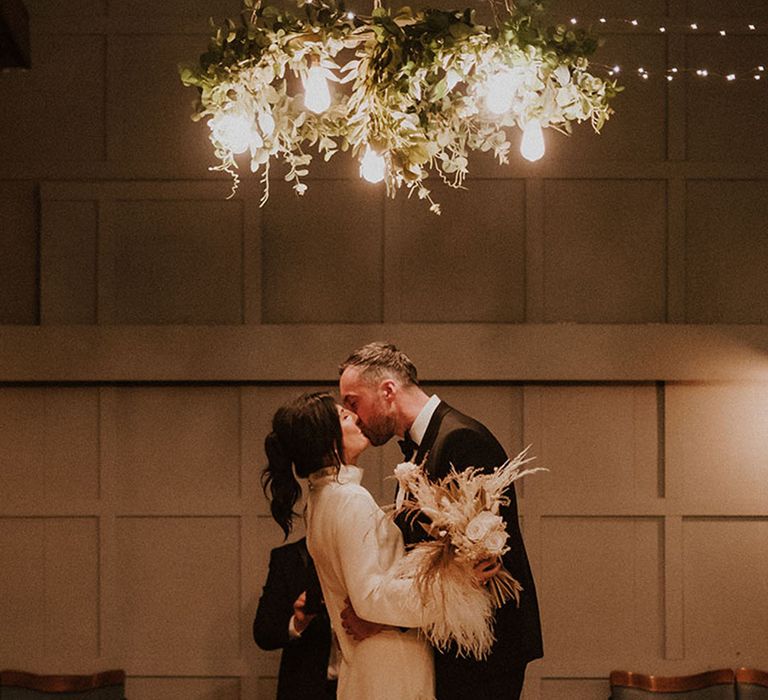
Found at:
(443, 352)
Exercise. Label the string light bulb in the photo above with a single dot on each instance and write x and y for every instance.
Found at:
(532, 144)
(317, 96)
(372, 166)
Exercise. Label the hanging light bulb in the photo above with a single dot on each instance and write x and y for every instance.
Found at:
(500, 91)
(317, 96)
(372, 166)
(266, 123)
(234, 131)
(532, 144)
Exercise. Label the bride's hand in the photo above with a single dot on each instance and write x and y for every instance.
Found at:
(486, 569)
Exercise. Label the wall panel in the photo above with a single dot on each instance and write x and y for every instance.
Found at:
(138, 688)
(637, 132)
(716, 446)
(737, 8)
(173, 444)
(574, 689)
(56, 115)
(594, 440)
(39, 9)
(175, 8)
(604, 251)
(172, 262)
(50, 441)
(724, 617)
(588, 567)
(49, 590)
(148, 253)
(322, 269)
(18, 253)
(180, 598)
(68, 262)
(727, 252)
(150, 109)
(468, 264)
(727, 124)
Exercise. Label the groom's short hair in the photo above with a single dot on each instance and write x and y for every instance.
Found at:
(377, 360)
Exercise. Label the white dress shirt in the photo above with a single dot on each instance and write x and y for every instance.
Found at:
(419, 427)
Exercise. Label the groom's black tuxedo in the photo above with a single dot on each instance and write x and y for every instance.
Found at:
(454, 439)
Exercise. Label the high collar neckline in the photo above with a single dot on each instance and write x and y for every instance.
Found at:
(345, 474)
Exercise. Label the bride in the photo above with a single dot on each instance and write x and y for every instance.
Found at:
(355, 547)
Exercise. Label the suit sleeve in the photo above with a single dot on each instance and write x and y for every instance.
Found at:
(270, 626)
(367, 541)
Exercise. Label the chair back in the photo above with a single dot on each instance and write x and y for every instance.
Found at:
(751, 684)
(712, 685)
(18, 685)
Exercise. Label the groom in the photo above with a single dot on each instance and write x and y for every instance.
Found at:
(379, 383)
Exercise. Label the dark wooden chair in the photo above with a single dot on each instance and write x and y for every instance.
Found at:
(18, 685)
(712, 685)
(751, 684)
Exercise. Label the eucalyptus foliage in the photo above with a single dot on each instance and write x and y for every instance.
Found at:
(412, 87)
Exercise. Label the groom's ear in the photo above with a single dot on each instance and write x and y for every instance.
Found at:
(388, 388)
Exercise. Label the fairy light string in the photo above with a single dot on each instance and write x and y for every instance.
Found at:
(735, 28)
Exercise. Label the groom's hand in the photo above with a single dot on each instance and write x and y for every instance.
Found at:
(486, 569)
(355, 626)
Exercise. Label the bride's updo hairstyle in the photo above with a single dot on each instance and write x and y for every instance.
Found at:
(306, 436)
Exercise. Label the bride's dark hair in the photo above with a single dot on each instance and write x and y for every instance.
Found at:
(306, 435)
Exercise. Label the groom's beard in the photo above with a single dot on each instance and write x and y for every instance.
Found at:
(379, 430)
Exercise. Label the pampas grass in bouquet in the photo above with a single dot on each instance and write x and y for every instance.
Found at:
(460, 513)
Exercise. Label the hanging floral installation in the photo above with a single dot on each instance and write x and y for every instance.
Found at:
(408, 93)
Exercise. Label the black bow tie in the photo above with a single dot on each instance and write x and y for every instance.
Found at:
(408, 446)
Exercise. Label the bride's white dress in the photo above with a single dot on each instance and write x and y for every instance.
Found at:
(354, 546)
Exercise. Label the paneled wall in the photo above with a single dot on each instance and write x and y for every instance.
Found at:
(607, 305)
(133, 531)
